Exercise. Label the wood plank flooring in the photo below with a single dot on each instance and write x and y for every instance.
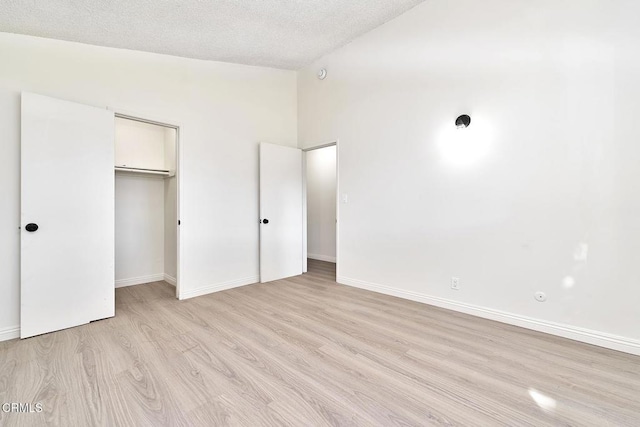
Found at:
(309, 352)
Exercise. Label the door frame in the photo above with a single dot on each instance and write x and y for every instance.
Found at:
(177, 127)
(336, 143)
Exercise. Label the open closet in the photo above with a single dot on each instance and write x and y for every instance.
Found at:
(146, 208)
(84, 224)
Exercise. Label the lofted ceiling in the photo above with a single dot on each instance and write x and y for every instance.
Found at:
(285, 34)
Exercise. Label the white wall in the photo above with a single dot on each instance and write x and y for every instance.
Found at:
(541, 193)
(321, 204)
(224, 110)
(140, 223)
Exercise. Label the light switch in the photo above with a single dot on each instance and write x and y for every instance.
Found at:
(345, 198)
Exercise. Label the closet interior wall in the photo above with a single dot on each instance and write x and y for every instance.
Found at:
(146, 208)
(170, 210)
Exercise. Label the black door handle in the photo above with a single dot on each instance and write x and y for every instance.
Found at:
(265, 221)
(31, 227)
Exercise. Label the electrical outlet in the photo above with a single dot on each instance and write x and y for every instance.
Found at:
(455, 283)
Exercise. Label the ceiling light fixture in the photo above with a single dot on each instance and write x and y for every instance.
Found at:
(322, 74)
(463, 121)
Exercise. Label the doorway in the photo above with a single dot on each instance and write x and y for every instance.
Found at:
(284, 218)
(320, 204)
(146, 202)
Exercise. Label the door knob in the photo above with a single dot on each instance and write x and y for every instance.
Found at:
(31, 227)
(265, 221)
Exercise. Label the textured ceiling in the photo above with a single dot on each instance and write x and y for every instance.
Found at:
(275, 33)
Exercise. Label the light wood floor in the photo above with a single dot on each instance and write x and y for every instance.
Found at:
(309, 352)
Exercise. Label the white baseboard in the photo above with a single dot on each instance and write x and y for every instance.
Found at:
(139, 280)
(170, 279)
(9, 333)
(203, 290)
(322, 257)
(602, 339)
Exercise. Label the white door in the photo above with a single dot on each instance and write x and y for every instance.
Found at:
(280, 212)
(67, 263)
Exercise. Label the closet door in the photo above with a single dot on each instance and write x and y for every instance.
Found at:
(67, 215)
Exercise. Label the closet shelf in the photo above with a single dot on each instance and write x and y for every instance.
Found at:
(159, 172)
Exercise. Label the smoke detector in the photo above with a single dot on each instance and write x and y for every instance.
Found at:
(322, 74)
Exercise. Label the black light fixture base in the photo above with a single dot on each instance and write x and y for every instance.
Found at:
(463, 121)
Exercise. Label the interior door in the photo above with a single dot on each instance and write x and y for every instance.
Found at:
(67, 215)
(280, 212)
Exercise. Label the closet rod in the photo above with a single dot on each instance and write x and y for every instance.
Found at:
(141, 170)
(151, 122)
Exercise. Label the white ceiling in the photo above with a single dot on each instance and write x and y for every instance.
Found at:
(275, 33)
